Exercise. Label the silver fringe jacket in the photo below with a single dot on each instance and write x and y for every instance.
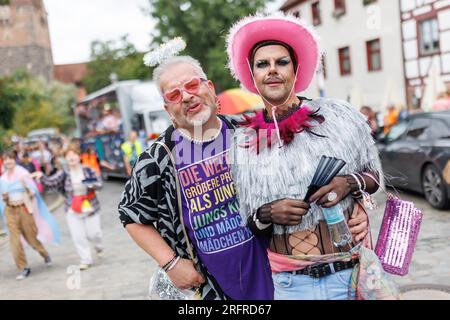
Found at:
(286, 172)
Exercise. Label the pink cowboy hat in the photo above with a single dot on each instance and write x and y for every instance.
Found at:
(296, 33)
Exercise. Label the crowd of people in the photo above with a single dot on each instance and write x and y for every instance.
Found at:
(97, 120)
(30, 171)
(27, 172)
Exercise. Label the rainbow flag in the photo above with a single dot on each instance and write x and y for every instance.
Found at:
(48, 229)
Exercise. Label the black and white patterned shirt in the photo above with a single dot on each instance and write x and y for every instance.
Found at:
(150, 198)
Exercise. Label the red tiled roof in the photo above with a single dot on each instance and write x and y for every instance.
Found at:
(70, 73)
(35, 3)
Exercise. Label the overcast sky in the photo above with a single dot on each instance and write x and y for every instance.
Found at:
(75, 24)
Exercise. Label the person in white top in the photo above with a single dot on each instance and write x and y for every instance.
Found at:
(78, 184)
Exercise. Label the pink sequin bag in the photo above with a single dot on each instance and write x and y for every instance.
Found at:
(398, 234)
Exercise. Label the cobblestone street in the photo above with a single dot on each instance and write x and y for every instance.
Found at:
(124, 271)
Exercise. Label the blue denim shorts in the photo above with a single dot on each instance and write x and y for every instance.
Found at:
(336, 286)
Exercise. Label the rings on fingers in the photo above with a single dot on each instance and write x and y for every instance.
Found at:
(332, 196)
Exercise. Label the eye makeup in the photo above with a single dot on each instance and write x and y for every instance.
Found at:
(261, 64)
(284, 61)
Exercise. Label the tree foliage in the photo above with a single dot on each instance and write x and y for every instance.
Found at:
(203, 24)
(9, 96)
(115, 56)
(32, 103)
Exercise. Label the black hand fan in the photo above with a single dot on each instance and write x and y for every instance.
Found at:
(327, 169)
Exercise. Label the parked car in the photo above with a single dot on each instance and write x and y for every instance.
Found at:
(415, 155)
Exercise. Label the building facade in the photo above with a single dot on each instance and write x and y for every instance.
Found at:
(426, 45)
(362, 46)
(24, 38)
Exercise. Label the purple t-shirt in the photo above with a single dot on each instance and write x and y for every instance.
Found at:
(231, 253)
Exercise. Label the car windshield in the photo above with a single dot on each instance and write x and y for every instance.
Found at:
(397, 131)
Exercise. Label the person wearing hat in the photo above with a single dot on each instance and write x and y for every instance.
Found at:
(183, 211)
(276, 152)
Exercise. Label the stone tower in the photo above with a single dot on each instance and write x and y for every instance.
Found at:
(24, 38)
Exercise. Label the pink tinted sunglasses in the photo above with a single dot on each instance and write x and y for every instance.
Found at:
(176, 95)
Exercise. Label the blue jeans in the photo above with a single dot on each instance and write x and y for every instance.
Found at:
(335, 286)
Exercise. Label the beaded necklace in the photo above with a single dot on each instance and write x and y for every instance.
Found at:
(200, 141)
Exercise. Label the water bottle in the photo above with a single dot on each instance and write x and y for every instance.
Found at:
(339, 230)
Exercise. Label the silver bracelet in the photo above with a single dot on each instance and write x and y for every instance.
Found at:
(168, 264)
(262, 226)
(364, 181)
(259, 224)
(173, 264)
(359, 185)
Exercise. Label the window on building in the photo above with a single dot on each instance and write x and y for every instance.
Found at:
(429, 36)
(373, 55)
(5, 14)
(324, 67)
(367, 2)
(344, 61)
(339, 8)
(316, 13)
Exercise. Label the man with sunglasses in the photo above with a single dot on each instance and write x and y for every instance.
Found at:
(193, 201)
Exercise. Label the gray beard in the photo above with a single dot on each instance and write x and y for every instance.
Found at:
(201, 118)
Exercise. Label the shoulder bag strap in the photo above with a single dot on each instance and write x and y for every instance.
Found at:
(388, 194)
(180, 206)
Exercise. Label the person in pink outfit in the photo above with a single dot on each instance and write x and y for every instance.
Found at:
(443, 102)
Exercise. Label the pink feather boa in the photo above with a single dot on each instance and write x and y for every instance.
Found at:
(299, 121)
